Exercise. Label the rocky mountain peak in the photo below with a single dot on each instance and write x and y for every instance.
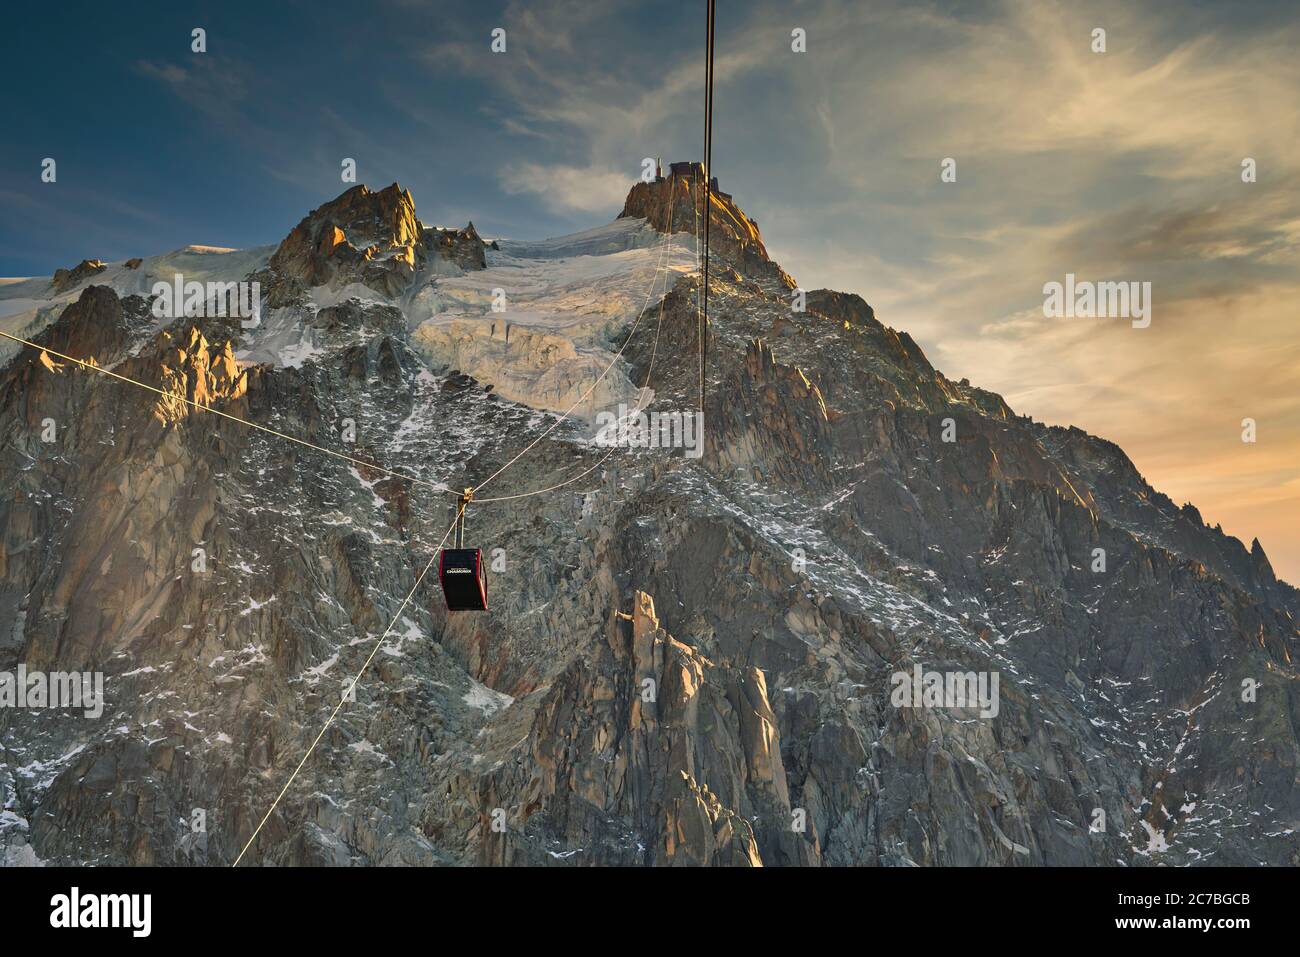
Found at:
(361, 236)
(674, 202)
(371, 238)
(65, 279)
(1263, 567)
(383, 218)
(98, 325)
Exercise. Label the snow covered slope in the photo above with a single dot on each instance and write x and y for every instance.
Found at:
(563, 302)
(558, 306)
(29, 305)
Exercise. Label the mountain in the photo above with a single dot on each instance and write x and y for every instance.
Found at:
(688, 660)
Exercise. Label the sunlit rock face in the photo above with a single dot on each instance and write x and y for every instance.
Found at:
(676, 199)
(369, 238)
(687, 662)
(66, 279)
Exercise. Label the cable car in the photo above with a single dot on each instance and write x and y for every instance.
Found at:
(461, 569)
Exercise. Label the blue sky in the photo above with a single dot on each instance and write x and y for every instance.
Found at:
(158, 146)
(1122, 165)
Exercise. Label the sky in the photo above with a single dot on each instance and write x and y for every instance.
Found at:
(1123, 165)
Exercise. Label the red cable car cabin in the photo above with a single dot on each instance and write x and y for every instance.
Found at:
(461, 570)
(464, 579)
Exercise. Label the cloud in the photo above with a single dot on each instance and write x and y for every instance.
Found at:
(212, 84)
(568, 189)
(600, 93)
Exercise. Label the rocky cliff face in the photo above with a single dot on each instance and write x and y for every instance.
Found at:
(687, 661)
(65, 279)
(369, 238)
(677, 202)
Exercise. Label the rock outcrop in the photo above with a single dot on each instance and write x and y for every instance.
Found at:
(648, 730)
(677, 201)
(369, 238)
(65, 279)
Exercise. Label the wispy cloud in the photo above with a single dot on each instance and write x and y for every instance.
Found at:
(210, 83)
(568, 189)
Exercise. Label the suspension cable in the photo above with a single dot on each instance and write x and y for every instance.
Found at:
(352, 686)
(708, 191)
(96, 367)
